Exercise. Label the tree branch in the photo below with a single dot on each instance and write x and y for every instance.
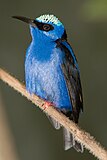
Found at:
(80, 135)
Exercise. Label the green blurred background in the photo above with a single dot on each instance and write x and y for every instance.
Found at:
(86, 25)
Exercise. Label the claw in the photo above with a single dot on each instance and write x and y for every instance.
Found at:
(47, 104)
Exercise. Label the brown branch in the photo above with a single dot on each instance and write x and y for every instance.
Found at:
(80, 135)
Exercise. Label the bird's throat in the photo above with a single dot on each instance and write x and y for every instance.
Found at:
(41, 50)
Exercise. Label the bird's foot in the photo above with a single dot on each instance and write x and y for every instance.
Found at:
(47, 104)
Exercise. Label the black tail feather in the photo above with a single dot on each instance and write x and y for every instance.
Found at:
(69, 141)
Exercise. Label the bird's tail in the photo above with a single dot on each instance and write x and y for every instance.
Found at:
(69, 141)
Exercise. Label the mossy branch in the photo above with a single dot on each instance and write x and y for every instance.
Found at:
(80, 135)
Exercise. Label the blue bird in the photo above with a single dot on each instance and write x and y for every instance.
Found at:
(52, 72)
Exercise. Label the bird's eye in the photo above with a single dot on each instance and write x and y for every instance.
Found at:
(46, 27)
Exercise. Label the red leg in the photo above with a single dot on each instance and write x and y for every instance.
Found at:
(47, 104)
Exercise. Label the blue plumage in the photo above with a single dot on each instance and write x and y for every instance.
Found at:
(51, 70)
(43, 72)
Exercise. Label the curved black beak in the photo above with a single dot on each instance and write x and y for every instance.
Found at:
(26, 20)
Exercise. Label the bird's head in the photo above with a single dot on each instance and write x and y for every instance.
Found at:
(45, 26)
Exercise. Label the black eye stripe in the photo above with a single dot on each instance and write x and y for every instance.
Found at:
(41, 25)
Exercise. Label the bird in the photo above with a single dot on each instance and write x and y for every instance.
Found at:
(52, 71)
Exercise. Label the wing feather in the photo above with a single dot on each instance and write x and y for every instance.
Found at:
(72, 78)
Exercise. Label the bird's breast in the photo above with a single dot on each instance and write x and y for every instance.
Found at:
(45, 78)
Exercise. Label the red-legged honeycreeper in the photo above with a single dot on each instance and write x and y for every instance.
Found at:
(51, 71)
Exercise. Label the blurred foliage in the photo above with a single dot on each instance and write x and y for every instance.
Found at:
(95, 10)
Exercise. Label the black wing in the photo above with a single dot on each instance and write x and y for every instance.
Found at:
(72, 78)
